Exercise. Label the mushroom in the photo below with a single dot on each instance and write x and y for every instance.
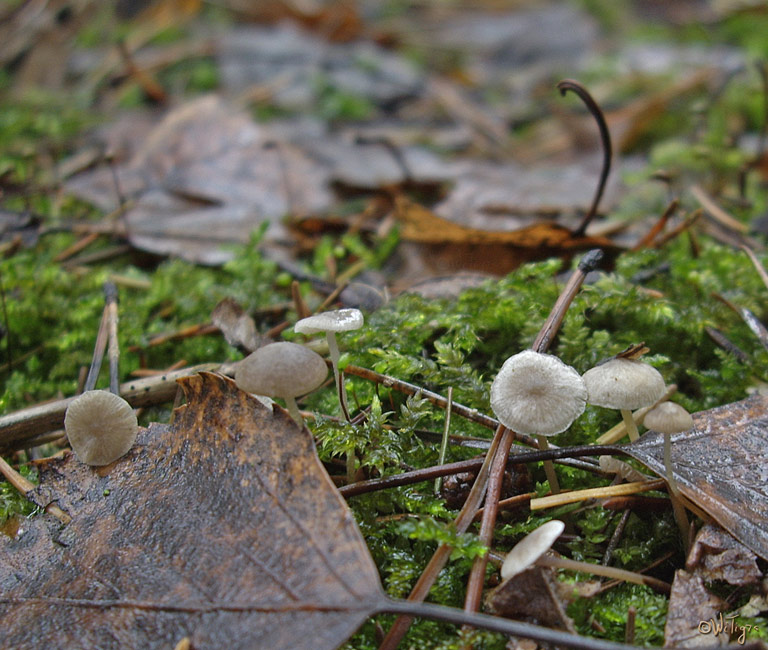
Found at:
(100, 426)
(669, 418)
(538, 394)
(330, 322)
(531, 548)
(284, 370)
(624, 384)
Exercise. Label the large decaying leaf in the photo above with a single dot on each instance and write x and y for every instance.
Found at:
(721, 466)
(222, 527)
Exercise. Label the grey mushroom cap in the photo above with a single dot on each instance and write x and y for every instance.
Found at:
(340, 320)
(668, 417)
(100, 426)
(624, 384)
(537, 394)
(281, 370)
(531, 548)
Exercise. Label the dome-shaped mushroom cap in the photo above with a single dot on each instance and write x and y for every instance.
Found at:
(624, 384)
(668, 417)
(531, 548)
(340, 320)
(537, 393)
(100, 426)
(281, 370)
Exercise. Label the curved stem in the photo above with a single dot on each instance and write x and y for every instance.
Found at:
(333, 350)
(605, 138)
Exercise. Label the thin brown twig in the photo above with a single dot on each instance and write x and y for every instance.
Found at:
(605, 138)
(647, 239)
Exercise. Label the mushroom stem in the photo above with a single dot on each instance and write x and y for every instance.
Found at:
(674, 493)
(606, 571)
(293, 409)
(333, 351)
(549, 466)
(629, 423)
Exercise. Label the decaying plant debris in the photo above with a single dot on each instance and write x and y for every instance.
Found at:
(415, 162)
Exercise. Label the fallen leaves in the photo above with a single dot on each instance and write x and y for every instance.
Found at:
(722, 466)
(222, 527)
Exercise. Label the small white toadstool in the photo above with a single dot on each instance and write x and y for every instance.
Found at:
(538, 394)
(669, 418)
(625, 385)
(284, 370)
(330, 322)
(100, 426)
(531, 548)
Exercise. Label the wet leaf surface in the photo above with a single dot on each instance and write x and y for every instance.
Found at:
(721, 466)
(223, 528)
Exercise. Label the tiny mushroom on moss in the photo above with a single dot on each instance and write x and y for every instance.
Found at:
(330, 322)
(538, 394)
(625, 385)
(531, 548)
(669, 418)
(284, 370)
(100, 426)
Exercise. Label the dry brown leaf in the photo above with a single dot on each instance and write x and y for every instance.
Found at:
(223, 528)
(722, 467)
(716, 555)
(689, 604)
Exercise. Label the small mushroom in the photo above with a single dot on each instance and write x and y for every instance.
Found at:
(625, 385)
(100, 426)
(531, 548)
(538, 394)
(669, 418)
(330, 322)
(284, 370)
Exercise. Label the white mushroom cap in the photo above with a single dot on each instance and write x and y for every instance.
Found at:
(340, 320)
(537, 393)
(281, 370)
(101, 427)
(668, 417)
(531, 548)
(624, 384)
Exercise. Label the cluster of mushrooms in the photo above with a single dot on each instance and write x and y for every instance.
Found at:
(534, 393)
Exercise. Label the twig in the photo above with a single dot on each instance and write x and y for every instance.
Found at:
(616, 537)
(647, 239)
(25, 487)
(716, 212)
(429, 473)
(605, 138)
(26, 424)
(444, 441)
(596, 493)
(756, 263)
(98, 351)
